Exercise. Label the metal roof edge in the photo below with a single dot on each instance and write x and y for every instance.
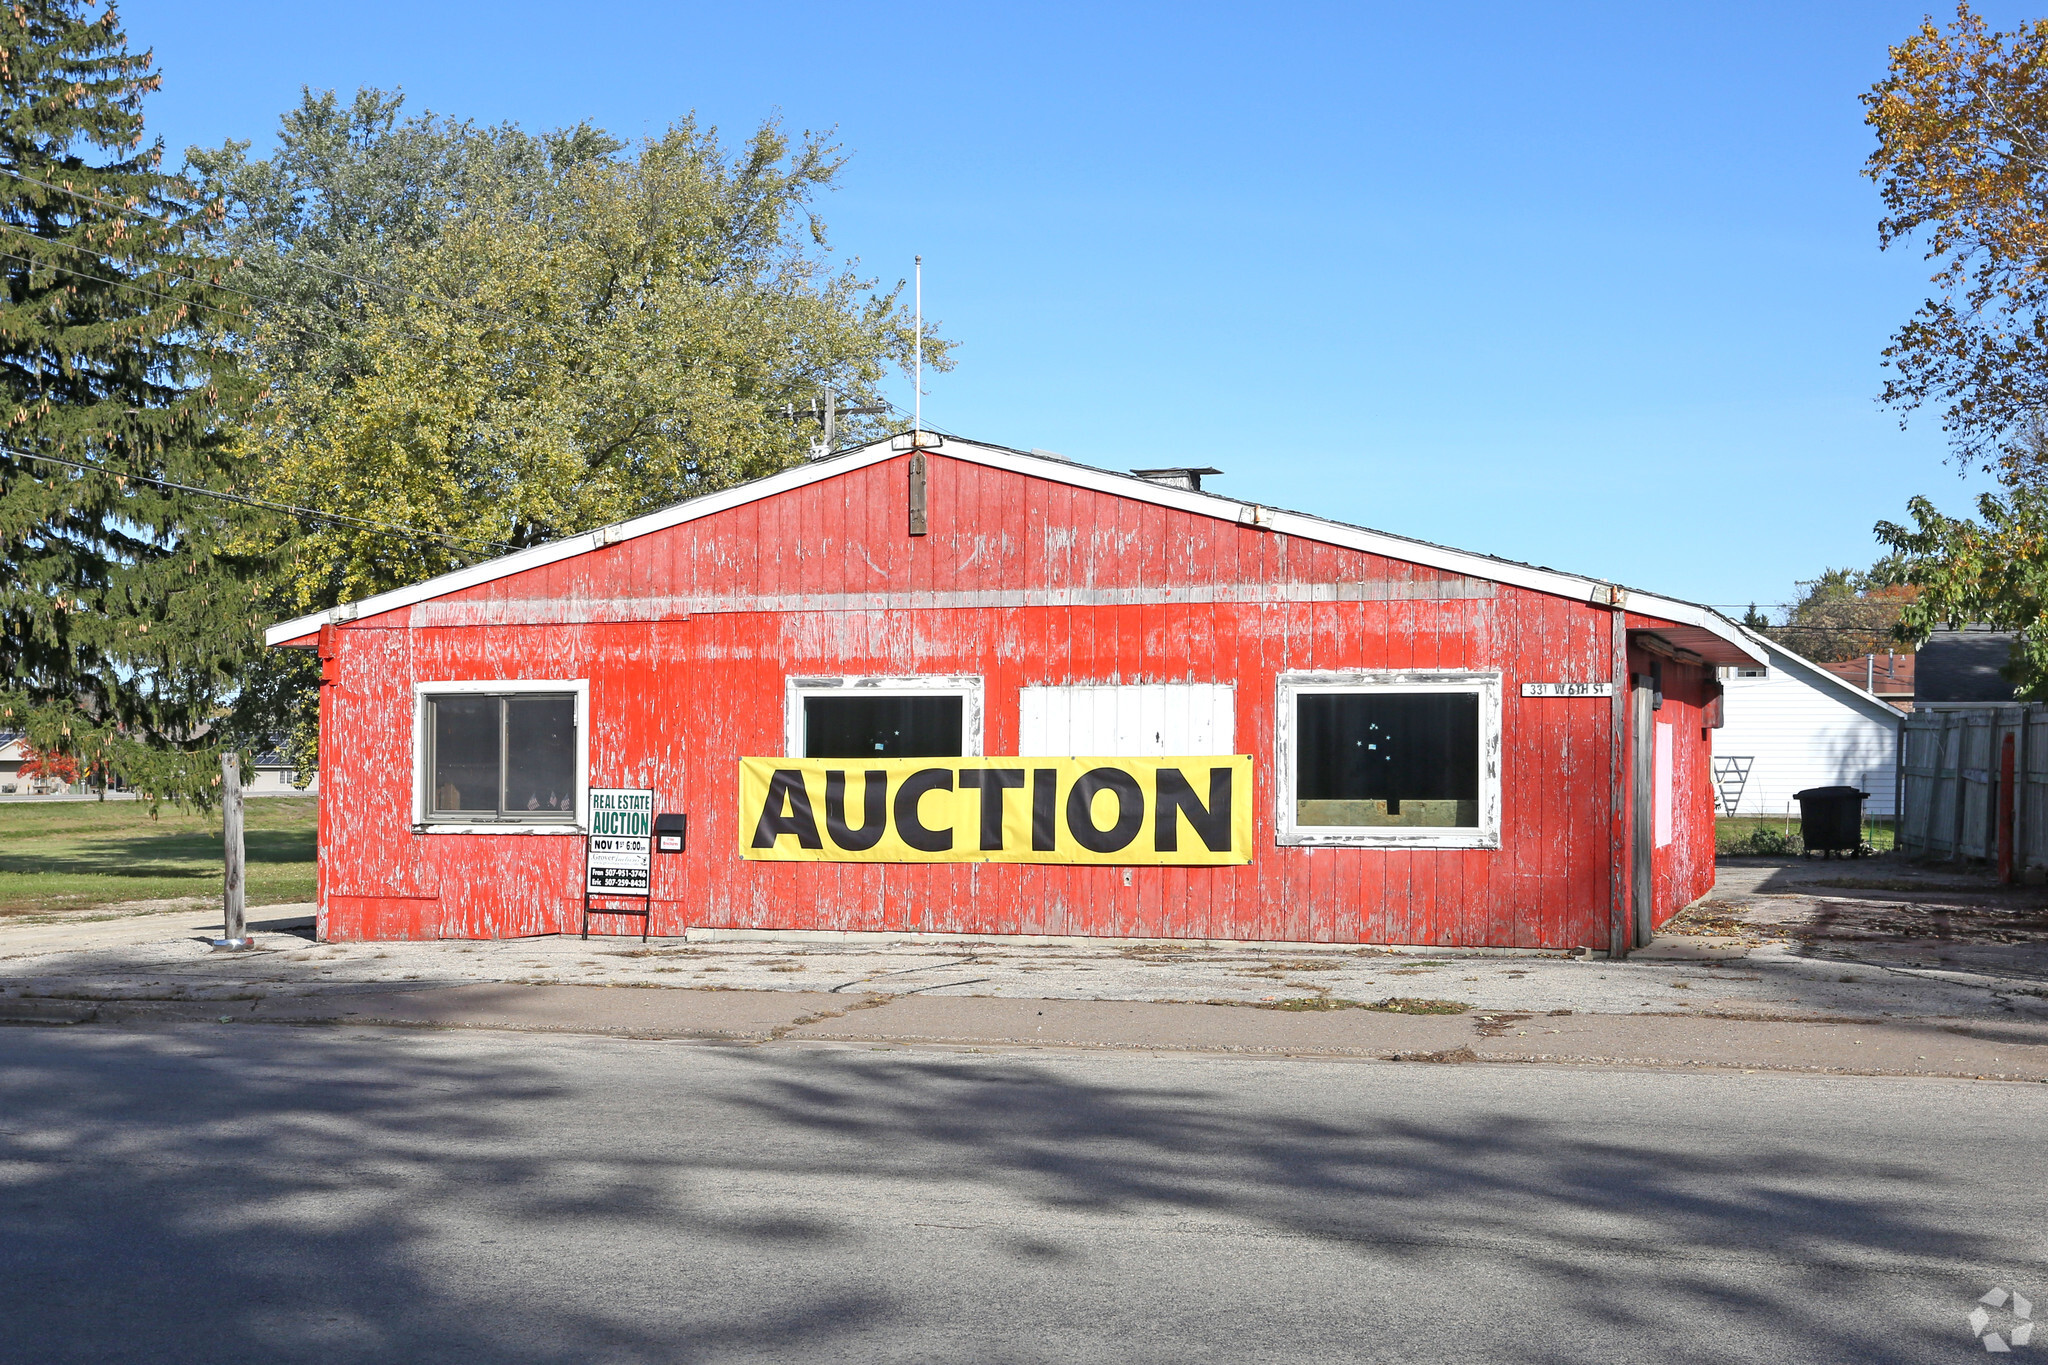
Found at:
(539, 556)
(1118, 483)
(1866, 698)
(1577, 587)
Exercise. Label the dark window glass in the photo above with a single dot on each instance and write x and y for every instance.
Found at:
(1387, 758)
(504, 758)
(540, 755)
(882, 727)
(466, 754)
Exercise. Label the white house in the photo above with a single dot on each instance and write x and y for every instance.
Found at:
(270, 774)
(1794, 725)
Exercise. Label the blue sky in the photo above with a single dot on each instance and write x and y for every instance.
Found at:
(1593, 286)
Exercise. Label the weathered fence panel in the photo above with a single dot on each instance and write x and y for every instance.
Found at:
(1950, 772)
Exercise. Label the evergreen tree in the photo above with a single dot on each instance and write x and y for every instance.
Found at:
(125, 609)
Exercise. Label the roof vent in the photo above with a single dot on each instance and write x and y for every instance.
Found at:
(1186, 476)
(917, 440)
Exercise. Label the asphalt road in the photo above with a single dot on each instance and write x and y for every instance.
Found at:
(227, 1194)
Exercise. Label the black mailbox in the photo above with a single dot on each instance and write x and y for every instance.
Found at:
(671, 833)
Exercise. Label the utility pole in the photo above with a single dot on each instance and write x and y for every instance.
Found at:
(827, 411)
(917, 376)
(233, 919)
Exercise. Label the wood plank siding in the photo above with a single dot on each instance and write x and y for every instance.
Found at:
(687, 637)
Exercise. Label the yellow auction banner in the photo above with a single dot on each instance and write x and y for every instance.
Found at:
(1179, 811)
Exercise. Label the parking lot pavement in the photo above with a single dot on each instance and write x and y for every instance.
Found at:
(1774, 942)
(341, 1195)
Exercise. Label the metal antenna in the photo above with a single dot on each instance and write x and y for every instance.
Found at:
(917, 401)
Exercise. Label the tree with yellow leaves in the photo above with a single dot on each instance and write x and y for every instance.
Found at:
(1962, 164)
(575, 334)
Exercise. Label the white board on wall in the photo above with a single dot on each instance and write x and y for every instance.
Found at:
(1662, 790)
(1141, 720)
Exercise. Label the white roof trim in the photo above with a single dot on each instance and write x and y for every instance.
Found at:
(1780, 656)
(1056, 470)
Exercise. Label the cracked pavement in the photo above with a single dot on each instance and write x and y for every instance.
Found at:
(1775, 940)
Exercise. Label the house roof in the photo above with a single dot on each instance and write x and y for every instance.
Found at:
(1889, 675)
(1706, 631)
(1963, 665)
(1824, 679)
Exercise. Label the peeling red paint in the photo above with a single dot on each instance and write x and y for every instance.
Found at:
(687, 636)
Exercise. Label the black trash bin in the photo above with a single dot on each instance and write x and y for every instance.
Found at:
(1831, 819)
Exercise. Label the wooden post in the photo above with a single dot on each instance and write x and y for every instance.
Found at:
(1619, 868)
(918, 520)
(2007, 770)
(1962, 785)
(232, 891)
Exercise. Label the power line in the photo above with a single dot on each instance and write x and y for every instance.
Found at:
(309, 264)
(366, 281)
(32, 263)
(256, 502)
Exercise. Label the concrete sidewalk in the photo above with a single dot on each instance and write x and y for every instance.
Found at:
(2010, 1051)
(166, 955)
(1824, 966)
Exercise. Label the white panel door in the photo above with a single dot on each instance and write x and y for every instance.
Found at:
(1143, 720)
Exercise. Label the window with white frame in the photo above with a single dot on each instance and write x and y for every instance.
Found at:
(921, 716)
(1389, 759)
(506, 755)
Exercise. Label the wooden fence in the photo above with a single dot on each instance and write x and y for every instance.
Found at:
(1949, 766)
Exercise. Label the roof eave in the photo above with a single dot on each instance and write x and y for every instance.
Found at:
(302, 631)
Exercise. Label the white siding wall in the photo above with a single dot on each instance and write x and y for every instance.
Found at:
(1803, 733)
(269, 781)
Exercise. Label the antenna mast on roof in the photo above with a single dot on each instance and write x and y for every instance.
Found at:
(917, 375)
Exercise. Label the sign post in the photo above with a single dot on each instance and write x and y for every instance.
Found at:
(618, 859)
(234, 862)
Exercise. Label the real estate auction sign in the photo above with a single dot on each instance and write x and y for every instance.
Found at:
(1174, 811)
(619, 857)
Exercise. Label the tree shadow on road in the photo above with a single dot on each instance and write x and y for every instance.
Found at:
(271, 1194)
(1637, 1232)
(182, 1196)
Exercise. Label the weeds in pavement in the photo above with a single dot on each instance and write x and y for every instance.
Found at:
(1393, 1004)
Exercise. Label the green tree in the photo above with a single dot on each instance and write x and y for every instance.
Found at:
(125, 604)
(1962, 165)
(1961, 121)
(318, 224)
(1991, 571)
(502, 339)
(505, 339)
(1843, 614)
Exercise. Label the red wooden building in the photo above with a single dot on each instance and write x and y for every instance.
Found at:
(1445, 748)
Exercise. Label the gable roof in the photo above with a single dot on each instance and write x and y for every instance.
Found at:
(1711, 634)
(1821, 678)
(1965, 665)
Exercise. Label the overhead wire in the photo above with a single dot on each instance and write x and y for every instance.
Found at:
(31, 262)
(292, 509)
(366, 281)
(246, 501)
(353, 278)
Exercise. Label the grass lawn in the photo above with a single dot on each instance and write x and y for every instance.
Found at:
(74, 855)
(1766, 834)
